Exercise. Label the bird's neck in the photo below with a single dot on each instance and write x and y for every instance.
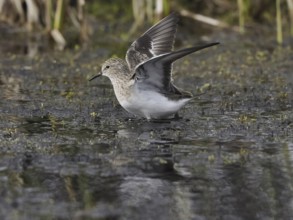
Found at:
(122, 87)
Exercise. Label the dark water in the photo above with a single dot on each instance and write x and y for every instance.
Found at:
(69, 151)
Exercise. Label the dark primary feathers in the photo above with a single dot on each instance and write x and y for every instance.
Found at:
(155, 73)
(159, 39)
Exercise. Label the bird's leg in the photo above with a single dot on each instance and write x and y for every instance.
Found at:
(177, 117)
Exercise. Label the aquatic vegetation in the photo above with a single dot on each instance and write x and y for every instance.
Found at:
(279, 22)
(68, 150)
(68, 23)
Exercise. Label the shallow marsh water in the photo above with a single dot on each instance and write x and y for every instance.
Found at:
(69, 151)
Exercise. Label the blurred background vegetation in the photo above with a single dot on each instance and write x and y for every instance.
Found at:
(72, 22)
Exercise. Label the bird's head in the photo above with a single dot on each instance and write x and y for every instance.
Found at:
(113, 68)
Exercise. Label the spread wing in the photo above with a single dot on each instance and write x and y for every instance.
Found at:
(155, 73)
(159, 39)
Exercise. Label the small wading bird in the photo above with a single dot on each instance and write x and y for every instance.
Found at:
(143, 83)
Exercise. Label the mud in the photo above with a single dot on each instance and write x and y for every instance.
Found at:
(69, 151)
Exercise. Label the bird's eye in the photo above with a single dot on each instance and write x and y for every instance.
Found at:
(107, 67)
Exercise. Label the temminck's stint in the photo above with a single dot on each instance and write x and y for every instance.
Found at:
(143, 83)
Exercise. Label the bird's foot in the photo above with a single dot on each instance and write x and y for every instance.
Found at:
(177, 117)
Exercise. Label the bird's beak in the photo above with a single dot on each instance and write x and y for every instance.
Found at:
(96, 76)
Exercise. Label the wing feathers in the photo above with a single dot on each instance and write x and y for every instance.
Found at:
(158, 40)
(173, 56)
(156, 72)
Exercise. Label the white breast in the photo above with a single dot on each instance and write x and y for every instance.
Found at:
(151, 104)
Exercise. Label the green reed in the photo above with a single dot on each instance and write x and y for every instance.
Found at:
(279, 22)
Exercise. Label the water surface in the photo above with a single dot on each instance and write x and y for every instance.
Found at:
(69, 151)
